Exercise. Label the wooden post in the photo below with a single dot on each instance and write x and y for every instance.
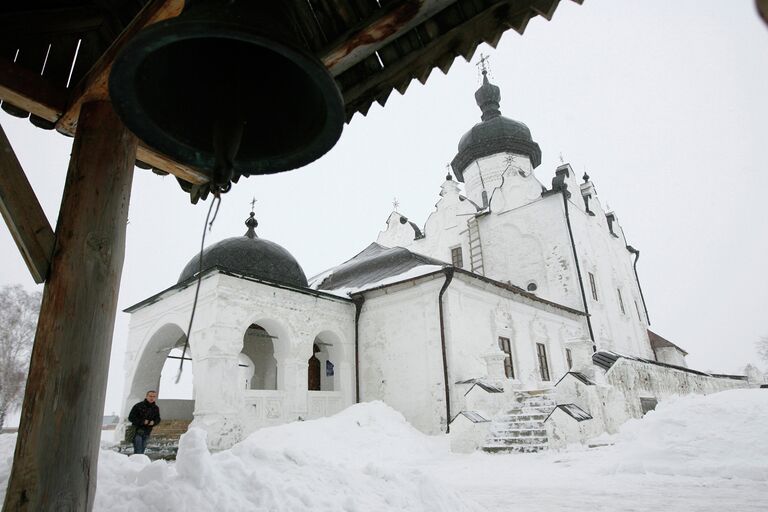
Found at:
(54, 466)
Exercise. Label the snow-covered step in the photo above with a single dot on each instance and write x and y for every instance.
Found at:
(521, 427)
(520, 433)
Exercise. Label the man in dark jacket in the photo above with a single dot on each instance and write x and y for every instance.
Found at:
(144, 415)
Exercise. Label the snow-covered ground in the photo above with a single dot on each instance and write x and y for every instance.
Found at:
(694, 453)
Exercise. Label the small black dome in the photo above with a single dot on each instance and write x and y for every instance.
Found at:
(251, 256)
(494, 134)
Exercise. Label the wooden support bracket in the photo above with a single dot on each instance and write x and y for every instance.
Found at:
(23, 214)
(95, 86)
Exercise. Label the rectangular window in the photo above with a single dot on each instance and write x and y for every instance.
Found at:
(593, 285)
(457, 260)
(639, 317)
(621, 302)
(509, 369)
(541, 352)
(569, 358)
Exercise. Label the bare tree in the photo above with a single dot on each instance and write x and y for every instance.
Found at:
(762, 348)
(18, 320)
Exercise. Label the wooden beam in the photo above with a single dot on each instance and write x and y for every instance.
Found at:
(23, 214)
(28, 91)
(95, 85)
(166, 163)
(57, 450)
(369, 35)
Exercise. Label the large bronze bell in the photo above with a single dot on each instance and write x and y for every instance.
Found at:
(229, 88)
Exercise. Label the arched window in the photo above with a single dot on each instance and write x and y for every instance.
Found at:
(258, 351)
(321, 368)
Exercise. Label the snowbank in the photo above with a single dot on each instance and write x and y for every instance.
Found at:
(357, 461)
(702, 453)
(349, 462)
(720, 435)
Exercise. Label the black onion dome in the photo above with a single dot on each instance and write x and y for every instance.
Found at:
(494, 134)
(251, 256)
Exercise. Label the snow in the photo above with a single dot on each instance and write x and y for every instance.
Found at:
(693, 453)
(412, 273)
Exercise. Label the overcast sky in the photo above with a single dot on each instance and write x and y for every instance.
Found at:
(664, 103)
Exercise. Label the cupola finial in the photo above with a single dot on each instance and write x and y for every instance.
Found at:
(251, 222)
(488, 95)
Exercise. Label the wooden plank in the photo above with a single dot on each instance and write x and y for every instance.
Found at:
(23, 214)
(55, 462)
(386, 24)
(166, 163)
(94, 86)
(27, 90)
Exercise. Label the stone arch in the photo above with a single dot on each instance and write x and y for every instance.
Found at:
(328, 350)
(148, 368)
(152, 357)
(258, 358)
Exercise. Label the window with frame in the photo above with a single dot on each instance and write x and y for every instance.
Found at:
(569, 358)
(457, 259)
(621, 301)
(541, 353)
(506, 347)
(637, 308)
(593, 285)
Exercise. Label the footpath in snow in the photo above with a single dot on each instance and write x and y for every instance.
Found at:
(693, 453)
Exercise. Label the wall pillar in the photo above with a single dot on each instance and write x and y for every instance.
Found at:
(219, 400)
(57, 450)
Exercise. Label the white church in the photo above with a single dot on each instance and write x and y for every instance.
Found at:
(513, 320)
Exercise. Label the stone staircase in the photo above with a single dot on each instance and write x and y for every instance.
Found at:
(521, 429)
(164, 441)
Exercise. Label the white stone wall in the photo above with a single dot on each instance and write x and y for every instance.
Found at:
(467, 436)
(605, 256)
(616, 396)
(479, 313)
(525, 241)
(400, 355)
(563, 430)
(227, 306)
(486, 174)
(670, 355)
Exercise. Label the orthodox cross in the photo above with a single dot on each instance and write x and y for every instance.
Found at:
(395, 204)
(561, 158)
(253, 203)
(483, 63)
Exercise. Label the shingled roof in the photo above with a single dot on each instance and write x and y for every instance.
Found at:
(54, 54)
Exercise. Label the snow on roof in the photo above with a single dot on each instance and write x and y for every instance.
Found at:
(572, 410)
(605, 359)
(578, 376)
(375, 266)
(473, 416)
(483, 384)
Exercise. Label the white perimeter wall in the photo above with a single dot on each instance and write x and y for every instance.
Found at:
(400, 352)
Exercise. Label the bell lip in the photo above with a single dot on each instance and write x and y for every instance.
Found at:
(155, 36)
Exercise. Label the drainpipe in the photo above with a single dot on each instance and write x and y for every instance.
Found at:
(359, 300)
(448, 277)
(564, 192)
(637, 280)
